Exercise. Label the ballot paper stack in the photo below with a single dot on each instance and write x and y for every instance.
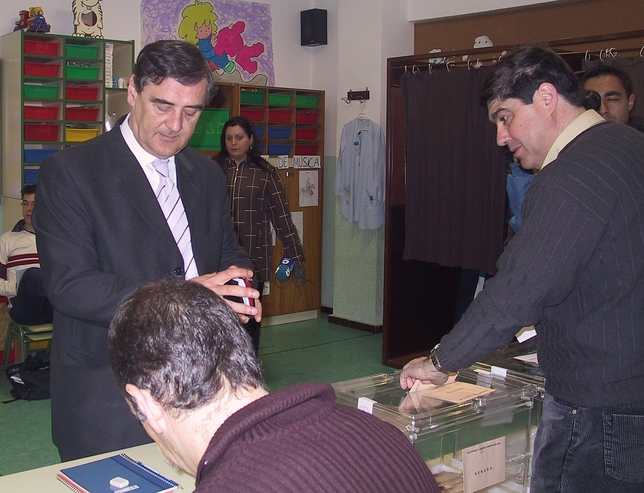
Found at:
(473, 432)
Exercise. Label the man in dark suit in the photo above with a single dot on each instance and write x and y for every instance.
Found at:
(102, 232)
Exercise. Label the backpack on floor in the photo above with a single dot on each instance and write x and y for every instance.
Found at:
(30, 379)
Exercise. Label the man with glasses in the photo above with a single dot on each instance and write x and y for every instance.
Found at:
(20, 268)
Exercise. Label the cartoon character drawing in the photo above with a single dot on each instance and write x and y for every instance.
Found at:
(198, 27)
(230, 42)
(88, 18)
(224, 49)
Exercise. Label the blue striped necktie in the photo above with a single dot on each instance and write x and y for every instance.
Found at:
(172, 207)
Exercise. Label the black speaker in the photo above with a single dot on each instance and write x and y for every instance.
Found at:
(313, 24)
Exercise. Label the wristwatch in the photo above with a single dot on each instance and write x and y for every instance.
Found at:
(434, 359)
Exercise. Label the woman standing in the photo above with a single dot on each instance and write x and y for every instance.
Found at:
(258, 199)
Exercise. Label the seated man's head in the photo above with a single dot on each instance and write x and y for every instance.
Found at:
(28, 196)
(184, 363)
(616, 91)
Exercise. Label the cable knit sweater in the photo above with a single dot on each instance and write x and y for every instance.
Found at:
(299, 440)
(576, 270)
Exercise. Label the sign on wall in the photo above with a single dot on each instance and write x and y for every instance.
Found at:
(235, 37)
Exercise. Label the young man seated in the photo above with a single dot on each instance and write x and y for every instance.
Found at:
(21, 280)
(189, 372)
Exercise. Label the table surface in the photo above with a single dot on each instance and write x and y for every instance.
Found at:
(44, 479)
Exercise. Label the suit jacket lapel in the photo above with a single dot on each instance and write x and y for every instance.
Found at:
(136, 188)
(189, 187)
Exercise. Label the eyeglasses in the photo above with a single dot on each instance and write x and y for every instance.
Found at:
(26, 203)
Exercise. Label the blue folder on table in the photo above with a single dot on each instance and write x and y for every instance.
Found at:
(95, 477)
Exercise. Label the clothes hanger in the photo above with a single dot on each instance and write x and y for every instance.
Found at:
(362, 116)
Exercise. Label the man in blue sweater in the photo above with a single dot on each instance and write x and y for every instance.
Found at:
(575, 271)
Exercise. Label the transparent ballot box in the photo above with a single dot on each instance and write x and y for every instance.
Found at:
(475, 444)
(519, 361)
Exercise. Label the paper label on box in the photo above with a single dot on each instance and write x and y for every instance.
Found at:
(483, 465)
(365, 404)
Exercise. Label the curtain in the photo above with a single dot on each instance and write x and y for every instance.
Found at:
(455, 173)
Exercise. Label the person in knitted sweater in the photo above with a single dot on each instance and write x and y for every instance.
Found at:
(188, 370)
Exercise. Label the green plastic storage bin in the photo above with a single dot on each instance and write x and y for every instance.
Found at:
(280, 99)
(40, 91)
(207, 133)
(252, 97)
(81, 51)
(306, 101)
(80, 72)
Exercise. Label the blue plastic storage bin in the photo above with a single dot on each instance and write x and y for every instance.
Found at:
(38, 155)
(31, 175)
(279, 133)
(279, 149)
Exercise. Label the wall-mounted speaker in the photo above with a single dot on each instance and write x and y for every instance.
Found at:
(313, 24)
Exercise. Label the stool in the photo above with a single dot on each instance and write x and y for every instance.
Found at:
(26, 334)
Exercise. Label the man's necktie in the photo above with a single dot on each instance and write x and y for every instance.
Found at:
(175, 215)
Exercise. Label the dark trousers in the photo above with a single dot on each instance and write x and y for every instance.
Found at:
(30, 306)
(582, 449)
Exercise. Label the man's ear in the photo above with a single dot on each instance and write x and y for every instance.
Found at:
(631, 102)
(547, 96)
(149, 407)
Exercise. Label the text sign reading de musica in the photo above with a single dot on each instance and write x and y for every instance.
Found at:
(306, 162)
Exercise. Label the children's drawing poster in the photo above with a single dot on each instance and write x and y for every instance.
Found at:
(235, 37)
(309, 191)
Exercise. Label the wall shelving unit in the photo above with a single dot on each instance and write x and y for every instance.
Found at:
(56, 91)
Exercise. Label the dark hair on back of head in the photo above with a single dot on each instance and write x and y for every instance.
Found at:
(603, 70)
(28, 189)
(183, 343)
(520, 74)
(172, 59)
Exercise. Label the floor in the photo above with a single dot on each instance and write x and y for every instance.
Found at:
(313, 350)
